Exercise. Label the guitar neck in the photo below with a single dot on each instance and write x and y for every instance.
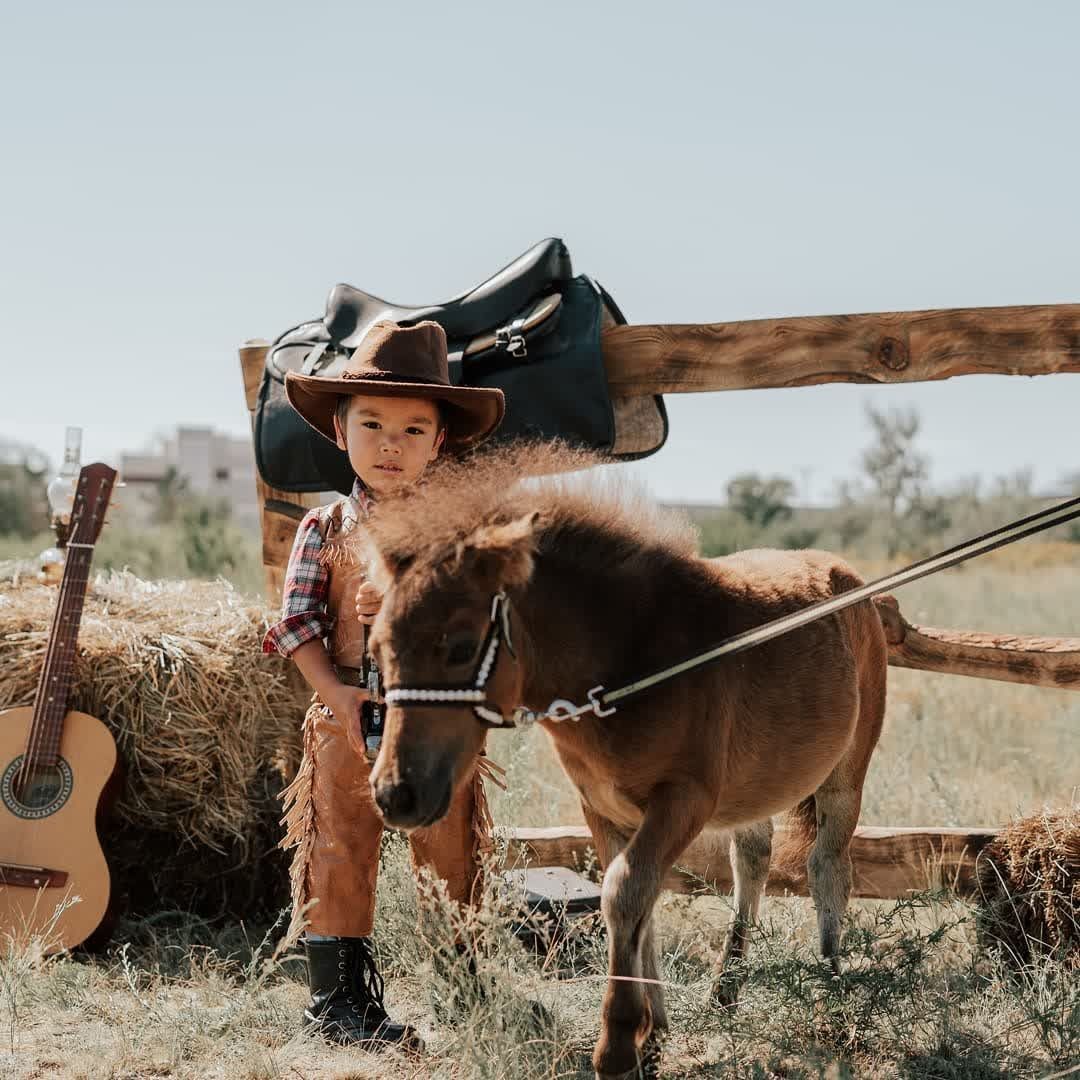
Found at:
(54, 683)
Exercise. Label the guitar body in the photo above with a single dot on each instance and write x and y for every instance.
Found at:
(49, 847)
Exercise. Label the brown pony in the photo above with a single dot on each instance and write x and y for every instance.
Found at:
(602, 590)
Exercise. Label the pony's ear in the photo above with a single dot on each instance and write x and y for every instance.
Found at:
(506, 549)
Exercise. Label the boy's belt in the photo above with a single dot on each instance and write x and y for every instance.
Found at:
(350, 676)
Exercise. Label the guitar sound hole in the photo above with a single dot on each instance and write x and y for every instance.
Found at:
(40, 793)
(40, 788)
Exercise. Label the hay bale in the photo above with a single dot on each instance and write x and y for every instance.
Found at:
(206, 726)
(1029, 881)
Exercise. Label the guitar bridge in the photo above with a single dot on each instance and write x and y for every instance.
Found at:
(32, 877)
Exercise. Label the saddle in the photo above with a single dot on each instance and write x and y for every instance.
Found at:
(532, 329)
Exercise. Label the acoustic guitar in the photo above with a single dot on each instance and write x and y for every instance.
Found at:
(55, 766)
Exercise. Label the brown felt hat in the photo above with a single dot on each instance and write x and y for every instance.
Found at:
(400, 361)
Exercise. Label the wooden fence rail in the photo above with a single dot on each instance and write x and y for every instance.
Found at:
(897, 346)
(889, 347)
(889, 863)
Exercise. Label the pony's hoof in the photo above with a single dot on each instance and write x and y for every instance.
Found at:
(651, 1052)
(648, 1062)
(725, 992)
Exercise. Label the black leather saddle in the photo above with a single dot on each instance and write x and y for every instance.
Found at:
(350, 312)
(532, 329)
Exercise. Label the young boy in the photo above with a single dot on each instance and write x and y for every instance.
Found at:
(393, 410)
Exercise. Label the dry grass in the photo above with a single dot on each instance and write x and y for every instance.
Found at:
(205, 725)
(174, 670)
(921, 996)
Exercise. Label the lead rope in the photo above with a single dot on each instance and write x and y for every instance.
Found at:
(602, 702)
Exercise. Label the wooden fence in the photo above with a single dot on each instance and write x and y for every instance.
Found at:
(769, 353)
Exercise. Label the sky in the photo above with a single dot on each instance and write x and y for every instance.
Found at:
(179, 177)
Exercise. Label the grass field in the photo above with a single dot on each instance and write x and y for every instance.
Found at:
(179, 998)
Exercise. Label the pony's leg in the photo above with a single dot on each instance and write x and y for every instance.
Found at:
(654, 993)
(838, 801)
(751, 850)
(609, 842)
(674, 816)
(837, 804)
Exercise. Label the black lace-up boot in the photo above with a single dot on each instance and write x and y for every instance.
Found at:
(347, 995)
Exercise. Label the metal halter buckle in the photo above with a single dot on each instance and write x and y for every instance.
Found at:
(561, 709)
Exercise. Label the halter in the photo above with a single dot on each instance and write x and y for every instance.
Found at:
(474, 694)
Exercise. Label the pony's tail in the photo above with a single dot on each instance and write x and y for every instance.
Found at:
(789, 859)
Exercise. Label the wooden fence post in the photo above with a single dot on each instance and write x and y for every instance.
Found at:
(279, 511)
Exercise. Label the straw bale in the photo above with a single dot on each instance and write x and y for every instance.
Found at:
(207, 727)
(1029, 880)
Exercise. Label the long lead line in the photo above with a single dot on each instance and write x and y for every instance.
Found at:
(1006, 534)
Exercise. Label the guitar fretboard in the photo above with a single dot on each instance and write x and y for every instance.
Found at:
(54, 683)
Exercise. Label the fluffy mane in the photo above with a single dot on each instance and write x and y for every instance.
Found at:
(501, 485)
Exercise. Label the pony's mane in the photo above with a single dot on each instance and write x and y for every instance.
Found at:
(501, 485)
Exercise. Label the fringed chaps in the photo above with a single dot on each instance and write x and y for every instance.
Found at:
(334, 829)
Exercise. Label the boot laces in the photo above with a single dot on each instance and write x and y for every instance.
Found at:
(366, 975)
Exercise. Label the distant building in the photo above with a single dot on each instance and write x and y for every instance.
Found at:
(211, 464)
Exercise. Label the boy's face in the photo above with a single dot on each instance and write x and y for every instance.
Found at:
(390, 440)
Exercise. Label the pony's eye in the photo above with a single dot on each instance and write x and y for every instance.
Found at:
(461, 651)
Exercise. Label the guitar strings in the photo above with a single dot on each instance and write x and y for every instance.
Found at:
(78, 561)
(40, 701)
(52, 713)
(36, 740)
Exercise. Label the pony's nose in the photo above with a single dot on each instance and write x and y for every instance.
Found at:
(396, 801)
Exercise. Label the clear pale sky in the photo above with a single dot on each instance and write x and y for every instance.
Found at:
(178, 177)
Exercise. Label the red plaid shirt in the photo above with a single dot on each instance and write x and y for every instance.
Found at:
(304, 616)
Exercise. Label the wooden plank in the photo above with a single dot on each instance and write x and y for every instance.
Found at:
(899, 346)
(278, 527)
(889, 863)
(1035, 661)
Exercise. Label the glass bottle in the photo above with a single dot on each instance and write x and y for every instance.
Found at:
(61, 490)
(61, 494)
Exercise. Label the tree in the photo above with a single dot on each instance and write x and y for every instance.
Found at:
(898, 475)
(760, 500)
(895, 469)
(24, 510)
(171, 493)
(208, 537)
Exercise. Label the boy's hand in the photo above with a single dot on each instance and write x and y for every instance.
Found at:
(345, 702)
(368, 602)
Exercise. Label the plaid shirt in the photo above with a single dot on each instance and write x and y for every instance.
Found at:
(304, 616)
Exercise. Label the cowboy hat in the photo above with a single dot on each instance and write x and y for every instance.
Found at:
(400, 361)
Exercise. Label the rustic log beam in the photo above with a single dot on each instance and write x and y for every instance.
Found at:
(899, 346)
(1035, 661)
(889, 863)
(279, 511)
